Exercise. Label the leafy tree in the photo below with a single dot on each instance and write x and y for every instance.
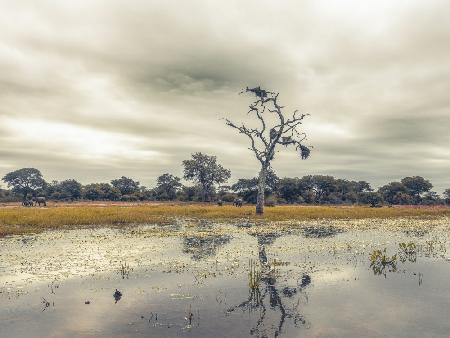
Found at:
(447, 196)
(416, 186)
(290, 189)
(101, 191)
(431, 198)
(126, 186)
(167, 187)
(190, 193)
(67, 189)
(7, 196)
(370, 197)
(402, 198)
(247, 189)
(70, 189)
(394, 192)
(25, 181)
(265, 139)
(206, 172)
(323, 186)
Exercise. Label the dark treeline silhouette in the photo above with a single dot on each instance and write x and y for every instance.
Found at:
(208, 178)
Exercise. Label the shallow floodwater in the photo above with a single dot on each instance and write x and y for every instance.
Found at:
(213, 280)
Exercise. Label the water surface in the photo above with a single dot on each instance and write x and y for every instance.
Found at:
(215, 280)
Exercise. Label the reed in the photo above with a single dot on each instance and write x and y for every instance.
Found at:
(26, 220)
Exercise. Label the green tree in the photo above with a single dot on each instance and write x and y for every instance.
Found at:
(65, 190)
(167, 187)
(394, 193)
(206, 172)
(247, 188)
(290, 189)
(25, 181)
(370, 197)
(447, 196)
(70, 189)
(402, 198)
(416, 186)
(101, 191)
(126, 186)
(275, 130)
(431, 198)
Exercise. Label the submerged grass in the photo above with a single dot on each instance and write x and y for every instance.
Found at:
(26, 220)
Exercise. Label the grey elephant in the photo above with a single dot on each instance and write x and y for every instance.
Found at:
(39, 201)
(238, 202)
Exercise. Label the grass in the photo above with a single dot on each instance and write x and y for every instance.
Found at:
(20, 220)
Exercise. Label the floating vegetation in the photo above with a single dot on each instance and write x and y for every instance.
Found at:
(321, 231)
(125, 270)
(408, 252)
(254, 275)
(381, 263)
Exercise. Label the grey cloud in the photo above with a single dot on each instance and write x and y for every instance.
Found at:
(158, 76)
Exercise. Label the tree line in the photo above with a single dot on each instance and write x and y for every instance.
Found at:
(208, 184)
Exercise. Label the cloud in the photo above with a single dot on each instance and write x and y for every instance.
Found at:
(102, 88)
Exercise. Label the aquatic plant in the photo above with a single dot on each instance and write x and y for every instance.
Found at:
(254, 275)
(407, 251)
(125, 270)
(381, 263)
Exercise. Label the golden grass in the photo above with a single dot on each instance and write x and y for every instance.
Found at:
(25, 220)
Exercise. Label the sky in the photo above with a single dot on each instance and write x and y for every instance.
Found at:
(97, 89)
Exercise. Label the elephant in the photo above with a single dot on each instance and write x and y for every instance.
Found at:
(39, 201)
(238, 202)
(27, 203)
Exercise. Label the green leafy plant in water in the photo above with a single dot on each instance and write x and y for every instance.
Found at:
(382, 263)
(254, 275)
(408, 252)
(125, 270)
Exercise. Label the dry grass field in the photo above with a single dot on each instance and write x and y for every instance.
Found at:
(19, 220)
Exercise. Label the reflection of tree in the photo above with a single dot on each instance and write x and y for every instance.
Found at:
(268, 294)
(320, 231)
(201, 247)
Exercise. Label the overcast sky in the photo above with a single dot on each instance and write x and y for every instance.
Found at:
(96, 89)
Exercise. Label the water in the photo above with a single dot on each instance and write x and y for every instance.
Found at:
(320, 280)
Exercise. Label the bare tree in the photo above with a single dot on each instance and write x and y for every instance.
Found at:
(265, 139)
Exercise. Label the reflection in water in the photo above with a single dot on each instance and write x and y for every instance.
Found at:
(265, 292)
(201, 247)
(321, 231)
(82, 269)
(416, 232)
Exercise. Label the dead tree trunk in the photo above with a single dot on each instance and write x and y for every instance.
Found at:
(265, 139)
(261, 190)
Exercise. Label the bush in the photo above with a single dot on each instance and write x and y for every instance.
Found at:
(129, 198)
(228, 197)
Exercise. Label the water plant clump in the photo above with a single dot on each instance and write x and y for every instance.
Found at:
(254, 275)
(381, 263)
